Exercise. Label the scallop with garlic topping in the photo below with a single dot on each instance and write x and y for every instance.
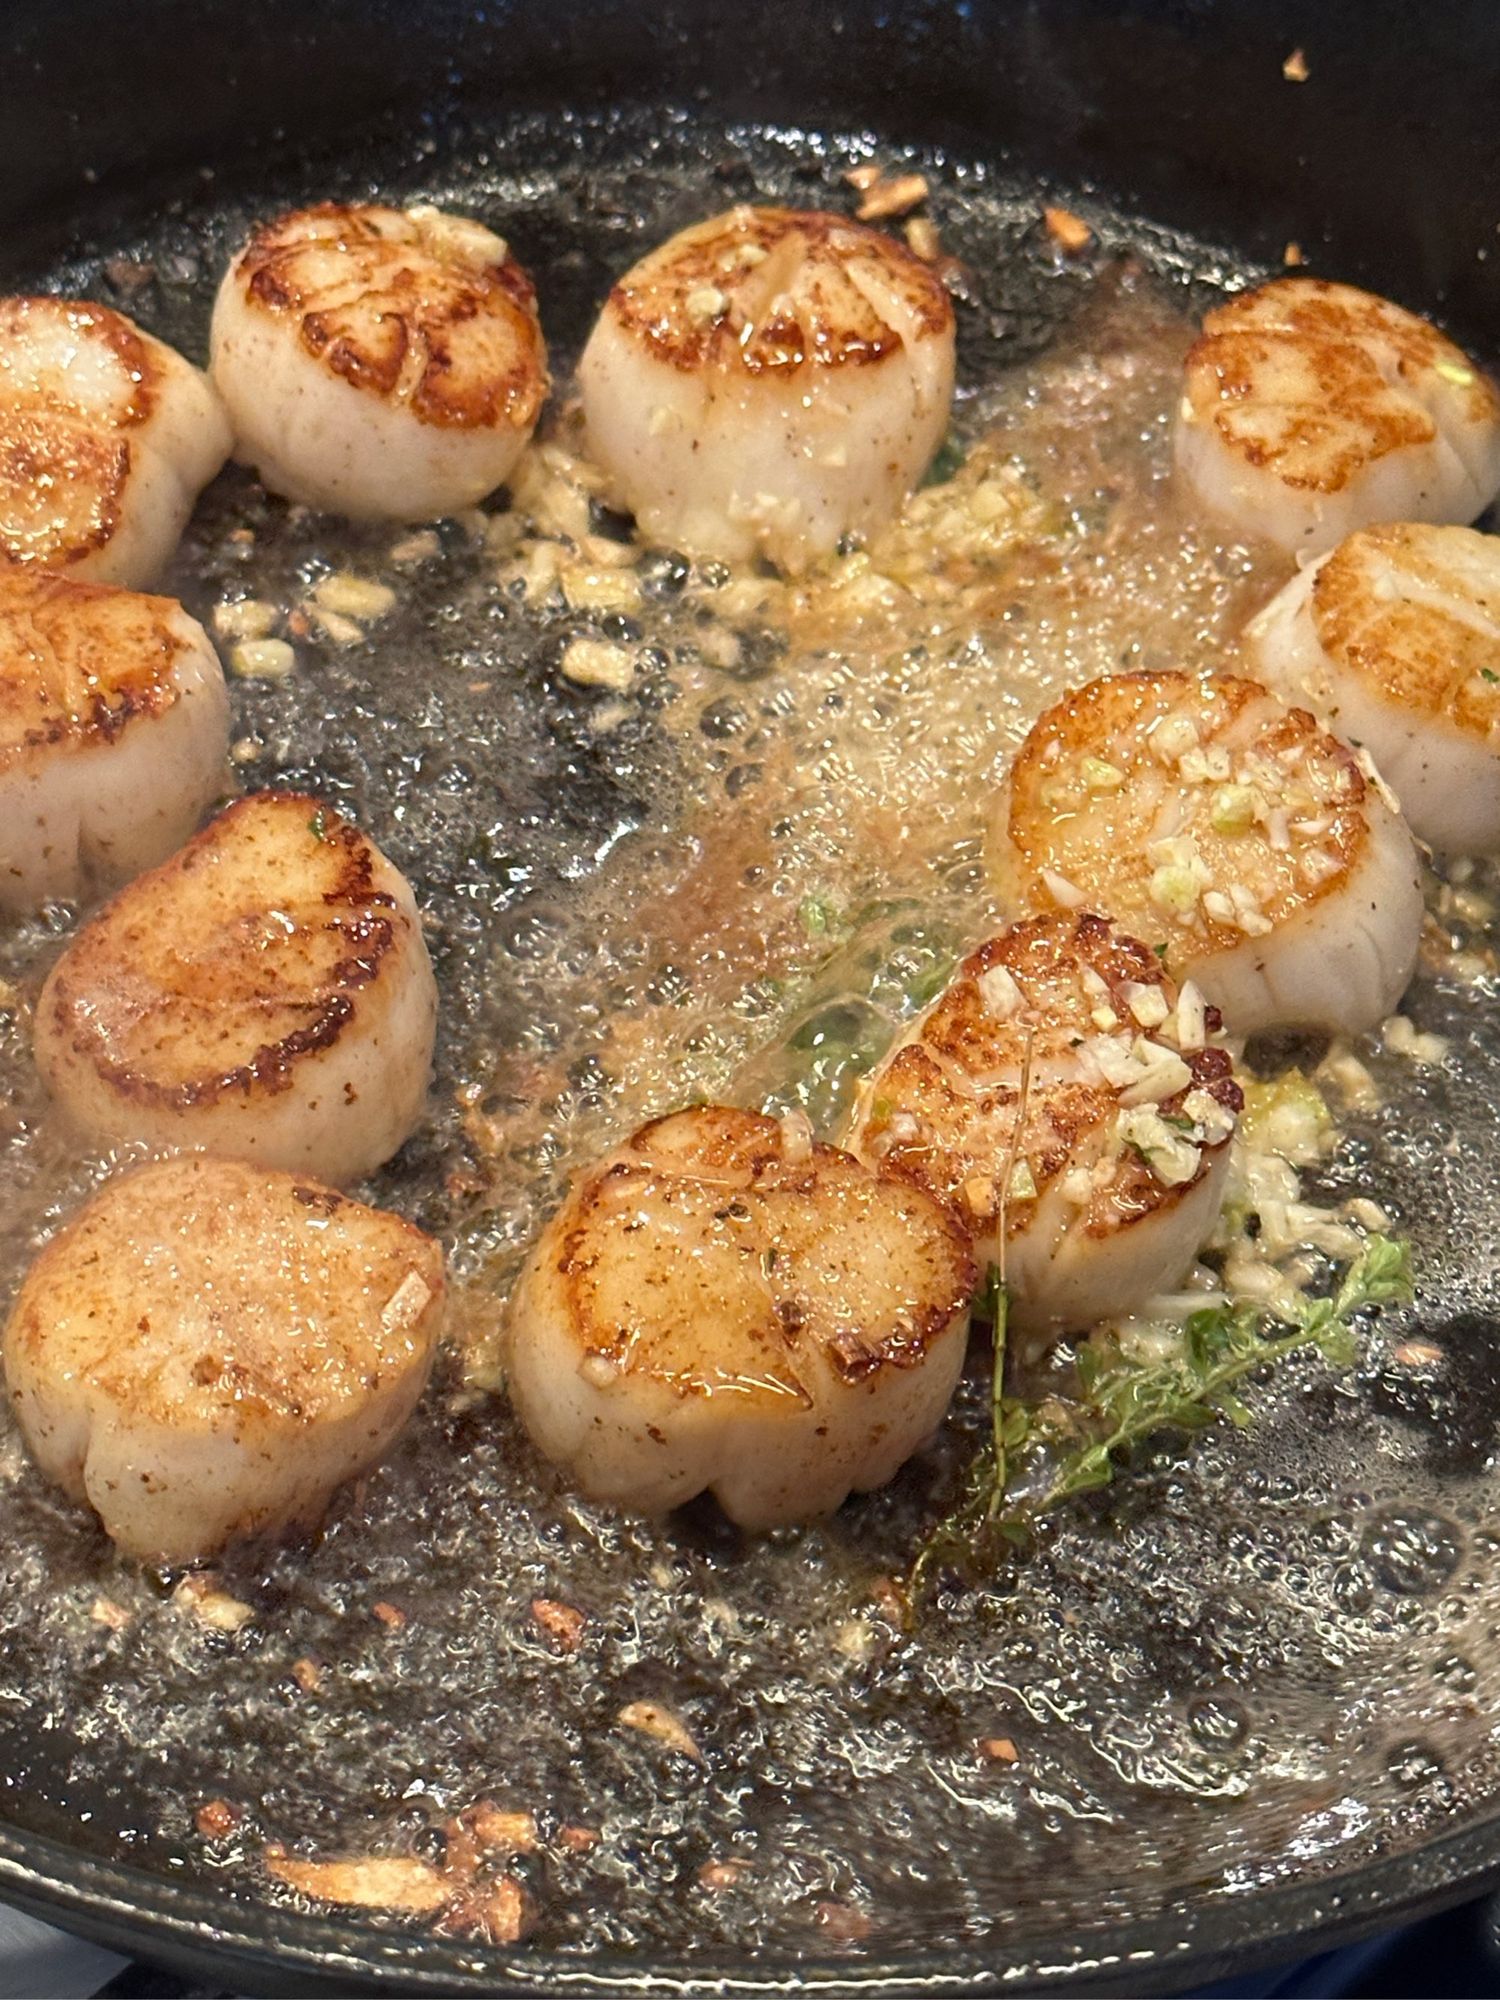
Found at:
(1311, 409)
(723, 1304)
(114, 729)
(265, 994)
(206, 1351)
(107, 436)
(767, 382)
(1258, 852)
(1073, 1107)
(378, 362)
(1394, 639)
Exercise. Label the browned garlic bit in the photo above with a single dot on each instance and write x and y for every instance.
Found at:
(1068, 231)
(723, 1304)
(1262, 856)
(1310, 409)
(114, 725)
(1394, 638)
(206, 1351)
(466, 1897)
(664, 1725)
(1072, 1107)
(107, 436)
(888, 195)
(266, 994)
(768, 382)
(379, 362)
(372, 1882)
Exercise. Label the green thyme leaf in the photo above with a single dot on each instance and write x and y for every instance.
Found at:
(947, 461)
(1080, 1447)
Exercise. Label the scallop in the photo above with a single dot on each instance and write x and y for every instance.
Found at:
(207, 1351)
(1394, 639)
(1262, 857)
(114, 727)
(724, 1305)
(1311, 409)
(768, 382)
(266, 994)
(381, 363)
(107, 437)
(1067, 1101)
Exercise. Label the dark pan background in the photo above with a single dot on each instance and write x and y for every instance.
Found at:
(1388, 160)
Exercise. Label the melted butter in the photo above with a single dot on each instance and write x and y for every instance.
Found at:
(834, 791)
(1231, 1629)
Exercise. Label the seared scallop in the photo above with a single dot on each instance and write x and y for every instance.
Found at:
(379, 362)
(723, 1305)
(265, 994)
(107, 437)
(768, 382)
(206, 1351)
(1071, 1106)
(1260, 854)
(1311, 409)
(1394, 639)
(114, 724)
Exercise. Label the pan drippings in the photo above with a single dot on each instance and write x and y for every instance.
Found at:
(686, 833)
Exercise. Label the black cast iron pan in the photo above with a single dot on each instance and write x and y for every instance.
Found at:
(1256, 1693)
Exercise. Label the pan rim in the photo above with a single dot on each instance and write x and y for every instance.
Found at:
(119, 1905)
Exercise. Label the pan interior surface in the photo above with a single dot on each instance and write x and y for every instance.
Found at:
(1269, 1658)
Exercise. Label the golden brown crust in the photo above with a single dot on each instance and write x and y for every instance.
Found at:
(1313, 380)
(79, 662)
(727, 1175)
(978, 1089)
(137, 378)
(405, 307)
(294, 1324)
(1101, 842)
(62, 487)
(179, 1012)
(768, 289)
(1414, 611)
(66, 458)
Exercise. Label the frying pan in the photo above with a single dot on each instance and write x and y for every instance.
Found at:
(1254, 1690)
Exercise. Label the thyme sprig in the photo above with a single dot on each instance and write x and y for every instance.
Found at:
(1076, 1447)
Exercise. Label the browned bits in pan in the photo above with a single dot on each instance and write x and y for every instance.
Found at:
(896, 196)
(216, 1819)
(651, 1718)
(496, 1912)
(559, 1622)
(721, 1874)
(1068, 231)
(843, 1923)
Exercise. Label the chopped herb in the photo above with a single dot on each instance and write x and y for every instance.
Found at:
(317, 826)
(1161, 951)
(1488, 674)
(814, 915)
(1122, 1402)
(947, 461)
(925, 986)
(977, 1518)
